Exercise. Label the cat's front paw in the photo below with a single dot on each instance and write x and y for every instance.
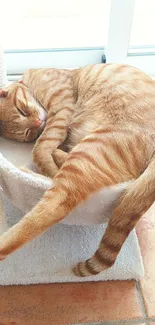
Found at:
(59, 157)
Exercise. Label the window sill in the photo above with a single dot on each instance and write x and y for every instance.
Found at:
(145, 63)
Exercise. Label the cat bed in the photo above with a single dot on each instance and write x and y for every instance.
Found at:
(50, 257)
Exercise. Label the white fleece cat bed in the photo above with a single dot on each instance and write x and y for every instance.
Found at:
(50, 257)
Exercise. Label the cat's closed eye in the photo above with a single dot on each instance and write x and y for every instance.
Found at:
(21, 112)
(27, 133)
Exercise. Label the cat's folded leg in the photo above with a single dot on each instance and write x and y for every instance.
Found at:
(60, 157)
(42, 157)
(52, 137)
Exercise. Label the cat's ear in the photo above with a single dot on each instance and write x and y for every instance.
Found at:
(3, 92)
(21, 100)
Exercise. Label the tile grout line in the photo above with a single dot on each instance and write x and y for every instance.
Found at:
(141, 302)
(118, 322)
(138, 321)
(123, 322)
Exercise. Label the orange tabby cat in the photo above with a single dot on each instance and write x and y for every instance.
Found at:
(104, 115)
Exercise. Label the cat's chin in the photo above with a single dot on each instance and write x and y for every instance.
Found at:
(42, 126)
(42, 114)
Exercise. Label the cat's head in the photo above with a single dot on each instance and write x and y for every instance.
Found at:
(21, 117)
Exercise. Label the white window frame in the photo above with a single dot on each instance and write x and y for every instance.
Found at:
(119, 35)
(119, 30)
(120, 24)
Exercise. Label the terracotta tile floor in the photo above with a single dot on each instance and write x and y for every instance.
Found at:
(109, 303)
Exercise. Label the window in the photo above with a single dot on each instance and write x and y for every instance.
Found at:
(143, 25)
(54, 33)
(141, 50)
(71, 33)
(43, 24)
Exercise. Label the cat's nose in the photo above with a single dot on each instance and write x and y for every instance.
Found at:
(38, 123)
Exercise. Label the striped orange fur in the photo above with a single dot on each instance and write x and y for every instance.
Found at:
(104, 117)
